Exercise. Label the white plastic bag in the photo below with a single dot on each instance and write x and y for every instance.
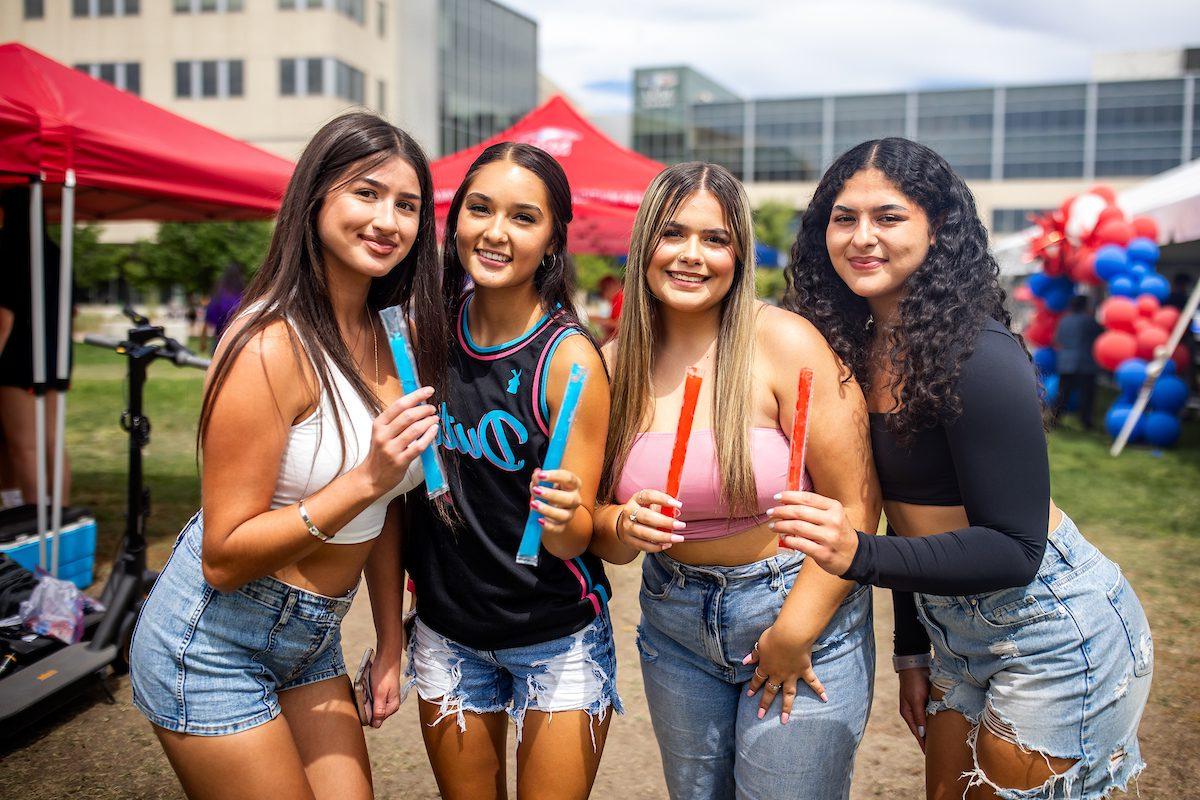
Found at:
(54, 609)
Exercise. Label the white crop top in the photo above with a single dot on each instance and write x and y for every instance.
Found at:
(313, 455)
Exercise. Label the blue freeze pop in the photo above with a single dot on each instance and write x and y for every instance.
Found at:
(396, 327)
(531, 539)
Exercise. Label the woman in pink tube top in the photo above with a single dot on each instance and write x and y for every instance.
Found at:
(755, 690)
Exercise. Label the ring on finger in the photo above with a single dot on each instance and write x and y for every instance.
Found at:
(760, 675)
(633, 516)
(756, 648)
(774, 687)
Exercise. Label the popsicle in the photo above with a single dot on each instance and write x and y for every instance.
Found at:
(804, 391)
(691, 394)
(531, 539)
(396, 327)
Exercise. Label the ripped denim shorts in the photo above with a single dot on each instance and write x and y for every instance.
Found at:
(1061, 667)
(572, 673)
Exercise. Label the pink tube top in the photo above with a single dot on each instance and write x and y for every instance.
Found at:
(700, 489)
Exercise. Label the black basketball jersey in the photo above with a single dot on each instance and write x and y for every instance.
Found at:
(495, 421)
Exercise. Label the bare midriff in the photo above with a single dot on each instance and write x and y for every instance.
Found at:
(333, 570)
(746, 547)
(910, 519)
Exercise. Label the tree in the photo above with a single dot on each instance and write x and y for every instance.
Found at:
(591, 268)
(192, 255)
(774, 225)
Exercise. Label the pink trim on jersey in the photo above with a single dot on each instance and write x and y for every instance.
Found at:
(537, 381)
(526, 338)
(583, 585)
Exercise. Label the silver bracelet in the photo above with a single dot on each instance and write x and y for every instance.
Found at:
(617, 527)
(312, 528)
(919, 661)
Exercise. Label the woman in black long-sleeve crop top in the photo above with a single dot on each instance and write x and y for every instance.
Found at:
(1041, 652)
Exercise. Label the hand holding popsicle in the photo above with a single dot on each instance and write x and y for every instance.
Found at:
(643, 526)
(399, 435)
(683, 432)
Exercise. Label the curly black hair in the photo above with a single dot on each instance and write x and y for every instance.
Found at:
(946, 300)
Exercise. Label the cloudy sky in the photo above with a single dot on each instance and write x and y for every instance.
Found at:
(779, 48)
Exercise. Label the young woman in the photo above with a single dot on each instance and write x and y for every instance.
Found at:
(236, 658)
(494, 639)
(1041, 653)
(730, 624)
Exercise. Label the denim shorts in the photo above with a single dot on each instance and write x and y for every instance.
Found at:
(698, 623)
(1061, 667)
(211, 663)
(572, 673)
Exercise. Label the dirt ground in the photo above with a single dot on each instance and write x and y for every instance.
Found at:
(102, 748)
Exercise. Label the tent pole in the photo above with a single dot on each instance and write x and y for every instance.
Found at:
(64, 357)
(37, 298)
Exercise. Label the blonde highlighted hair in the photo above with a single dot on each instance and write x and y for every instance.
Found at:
(638, 334)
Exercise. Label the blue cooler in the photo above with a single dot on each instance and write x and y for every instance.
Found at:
(76, 548)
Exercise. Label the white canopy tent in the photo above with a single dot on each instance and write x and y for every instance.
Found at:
(1172, 199)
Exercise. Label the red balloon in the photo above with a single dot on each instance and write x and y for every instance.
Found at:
(1148, 338)
(1146, 226)
(1084, 269)
(1119, 314)
(1023, 294)
(1106, 192)
(1147, 305)
(1140, 324)
(1181, 358)
(1109, 214)
(1166, 317)
(1115, 231)
(1041, 329)
(1113, 347)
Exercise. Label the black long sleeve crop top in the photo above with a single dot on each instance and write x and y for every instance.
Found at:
(992, 460)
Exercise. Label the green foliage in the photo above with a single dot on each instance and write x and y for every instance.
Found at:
(192, 255)
(590, 269)
(774, 225)
(769, 283)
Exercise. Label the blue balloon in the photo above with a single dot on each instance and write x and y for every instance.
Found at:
(1123, 286)
(1156, 285)
(1114, 420)
(1143, 249)
(1139, 270)
(1049, 384)
(1039, 282)
(1129, 375)
(1169, 368)
(1046, 360)
(1169, 395)
(1110, 262)
(1162, 429)
(1057, 299)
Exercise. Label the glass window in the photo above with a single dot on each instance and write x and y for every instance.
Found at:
(287, 77)
(208, 78)
(861, 118)
(1044, 131)
(788, 139)
(235, 78)
(287, 5)
(233, 5)
(381, 18)
(106, 8)
(35, 9)
(183, 6)
(315, 76)
(1139, 127)
(208, 6)
(958, 125)
(132, 8)
(316, 3)
(183, 79)
(133, 78)
(108, 73)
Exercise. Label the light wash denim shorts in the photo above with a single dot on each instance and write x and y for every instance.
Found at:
(698, 623)
(211, 663)
(572, 673)
(1061, 667)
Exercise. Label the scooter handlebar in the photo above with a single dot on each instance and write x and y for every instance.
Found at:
(187, 359)
(102, 341)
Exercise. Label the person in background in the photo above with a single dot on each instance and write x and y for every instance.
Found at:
(226, 297)
(611, 291)
(1181, 287)
(1077, 332)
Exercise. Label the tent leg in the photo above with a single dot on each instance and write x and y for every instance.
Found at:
(38, 300)
(64, 356)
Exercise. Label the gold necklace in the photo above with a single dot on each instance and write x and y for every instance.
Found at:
(374, 348)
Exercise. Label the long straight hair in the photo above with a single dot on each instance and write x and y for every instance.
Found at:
(554, 278)
(639, 333)
(291, 285)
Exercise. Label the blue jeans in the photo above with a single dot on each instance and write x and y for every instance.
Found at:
(698, 623)
(211, 663)
(1061, 666)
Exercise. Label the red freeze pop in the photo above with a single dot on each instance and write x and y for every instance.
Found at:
(691, 394)
(800, 430)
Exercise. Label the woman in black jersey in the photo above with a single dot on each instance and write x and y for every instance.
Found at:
(1041, 651)
(495, 639)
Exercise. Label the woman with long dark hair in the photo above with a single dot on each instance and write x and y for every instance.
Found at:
(236, 658)
(1041, 652)
(495, 640)
(758, 667)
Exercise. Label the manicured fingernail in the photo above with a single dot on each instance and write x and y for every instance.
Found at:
(771, 512)
(783, 718)
(746, 660)
(921, 731)
(777, 496)
(676, 538)
(542, 522)
(539, 474)
(824, 697)
(538, 490)
(771, 525)
(762, 712)
(676, 503)
(749, 693)
(533, 503)
(679, 525)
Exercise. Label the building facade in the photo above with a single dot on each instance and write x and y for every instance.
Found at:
(1021, 148)
(271, 72)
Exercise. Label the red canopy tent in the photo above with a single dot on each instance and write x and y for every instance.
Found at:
(607, 180)
(61, 129)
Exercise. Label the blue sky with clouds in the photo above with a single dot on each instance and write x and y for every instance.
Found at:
(778, 48)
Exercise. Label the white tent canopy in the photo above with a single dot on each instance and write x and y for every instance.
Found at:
(1172, 199)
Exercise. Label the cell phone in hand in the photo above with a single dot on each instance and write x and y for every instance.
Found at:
(364, 700)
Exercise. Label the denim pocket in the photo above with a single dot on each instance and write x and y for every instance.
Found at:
(1009, 607)
(1133, 620)
(657, 582)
